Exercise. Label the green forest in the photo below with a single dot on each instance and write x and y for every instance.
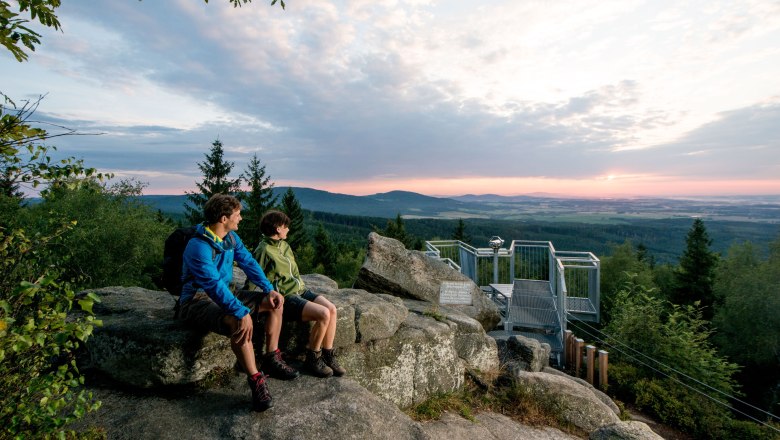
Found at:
(703, 297)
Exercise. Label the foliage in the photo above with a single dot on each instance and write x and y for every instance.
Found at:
(460, 232)
(15, 32)
(622, 266)
(259, 200)
(396, 229)
(118, 241)
(216, 180)
(24, 161)
(325, 254)
(695, 274)
(39, 381)
(297, 237)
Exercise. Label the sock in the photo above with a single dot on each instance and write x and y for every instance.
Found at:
(255, 377)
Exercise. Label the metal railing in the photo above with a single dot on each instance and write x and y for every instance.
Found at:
(573, 276)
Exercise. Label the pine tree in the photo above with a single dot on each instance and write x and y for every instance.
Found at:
(460, 232)
(324, 250)
(216, 180)
(296, 238)
(259, 200)
(694, 277)
(396, 229)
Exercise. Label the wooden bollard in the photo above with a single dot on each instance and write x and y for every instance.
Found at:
(567, 336)
(591, 354)
(578, 356)
(603, 366)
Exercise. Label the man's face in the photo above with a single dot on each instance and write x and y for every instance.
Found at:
(231, 224)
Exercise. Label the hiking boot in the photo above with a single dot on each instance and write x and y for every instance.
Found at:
(329, 357)
(261, 398)
(316, 365)
(276, 367)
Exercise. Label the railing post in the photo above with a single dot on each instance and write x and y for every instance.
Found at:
(578, 356)
(591, 354)
(603, 366)
(567, 337)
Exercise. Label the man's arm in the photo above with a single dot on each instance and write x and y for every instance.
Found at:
(198, 257)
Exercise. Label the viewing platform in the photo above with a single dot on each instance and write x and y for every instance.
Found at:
(537, 289)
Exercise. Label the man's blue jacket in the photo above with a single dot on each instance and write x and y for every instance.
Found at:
(208, 266)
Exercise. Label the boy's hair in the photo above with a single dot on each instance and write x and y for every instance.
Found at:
(219, 205)
(272, 220)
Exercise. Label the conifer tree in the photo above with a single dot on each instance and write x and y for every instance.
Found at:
(396, 229)
(694, 277)
(460, 232)
(259, 200)
(216, 180)
(296, 238)
(324, 250)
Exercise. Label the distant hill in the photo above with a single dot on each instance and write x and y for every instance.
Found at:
(526, 208)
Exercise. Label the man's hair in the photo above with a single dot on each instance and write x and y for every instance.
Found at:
(219, 205)
(272, 220)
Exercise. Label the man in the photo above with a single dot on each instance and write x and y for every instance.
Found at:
(207, 302)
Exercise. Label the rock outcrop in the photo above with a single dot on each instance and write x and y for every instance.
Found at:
(629, 430)
(489, 426)
(518, 353)
(390, 268)
(401, 356)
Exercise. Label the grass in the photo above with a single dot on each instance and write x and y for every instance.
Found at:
(497, 394)
(434, 313)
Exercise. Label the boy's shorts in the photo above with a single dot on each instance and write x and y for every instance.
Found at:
(294, 304)
(203, 313)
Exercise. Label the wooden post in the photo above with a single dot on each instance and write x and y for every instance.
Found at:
(578, 356)
(591, 354)
(567, 336)
(603, 365)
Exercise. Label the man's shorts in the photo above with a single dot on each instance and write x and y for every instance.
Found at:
(294, 304)
(203, 313)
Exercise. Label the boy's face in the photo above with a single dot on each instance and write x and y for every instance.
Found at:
(282, 231)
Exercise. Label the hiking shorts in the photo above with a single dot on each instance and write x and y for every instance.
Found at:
(203, 313)
(294, 304)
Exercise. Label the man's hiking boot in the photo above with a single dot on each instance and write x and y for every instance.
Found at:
(276, 367)
(261, 398)
(329, 357)
(316, 364)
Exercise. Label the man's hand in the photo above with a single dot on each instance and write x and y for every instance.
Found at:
(276, 299)
(243, 333)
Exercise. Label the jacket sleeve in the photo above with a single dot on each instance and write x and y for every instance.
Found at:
(249, 265)
(198, 257)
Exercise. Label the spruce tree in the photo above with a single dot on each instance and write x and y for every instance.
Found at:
(324, 251)
(216, 180)
(694, 277)
(296, 238)
(460, 232)
(259, 200)
(396, 229)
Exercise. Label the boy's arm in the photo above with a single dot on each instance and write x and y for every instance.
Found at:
(198, 257)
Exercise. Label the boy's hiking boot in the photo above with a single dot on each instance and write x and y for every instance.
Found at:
(316, 364)
(329, 357)
(276, 367)
(261, 398)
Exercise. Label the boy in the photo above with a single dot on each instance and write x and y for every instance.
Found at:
(207, 302)
(276, 258)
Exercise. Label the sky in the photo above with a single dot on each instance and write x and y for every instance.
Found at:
(575, 98)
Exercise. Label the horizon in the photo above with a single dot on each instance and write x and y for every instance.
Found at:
(585, 100)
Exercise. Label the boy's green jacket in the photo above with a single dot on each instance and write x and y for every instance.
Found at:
(278, 262)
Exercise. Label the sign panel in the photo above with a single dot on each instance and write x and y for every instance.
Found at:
(455, 292)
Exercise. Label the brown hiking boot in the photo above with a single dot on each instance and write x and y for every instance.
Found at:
(276, 367)
(316, 365)
(329, 357)
(261, 398)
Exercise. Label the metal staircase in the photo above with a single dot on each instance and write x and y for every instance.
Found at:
(537, 289)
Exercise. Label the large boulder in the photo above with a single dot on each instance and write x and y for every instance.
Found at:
(404, 357)
(306, 407)
(627, 430)
(516, 352)
(577, 404)
(390, 268)
(596, 392)
(488, 425)
(141, 344)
